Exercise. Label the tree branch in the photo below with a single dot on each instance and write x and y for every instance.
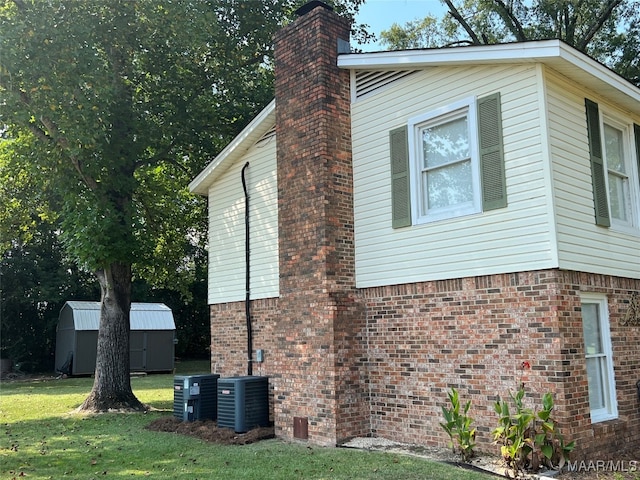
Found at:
(20, 4)
(571, 24)
(88, 181)
(453, 11)
(600, 19)
(39, 133)
(53, 137)
(162, 155)
(510, 20)
(63, 143)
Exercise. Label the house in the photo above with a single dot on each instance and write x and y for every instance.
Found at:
(151, 338)
(427, 219)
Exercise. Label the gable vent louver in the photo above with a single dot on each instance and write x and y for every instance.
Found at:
(369, 81)
(266, 137)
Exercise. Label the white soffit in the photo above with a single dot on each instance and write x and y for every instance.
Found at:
(259, 126)
(556, 54)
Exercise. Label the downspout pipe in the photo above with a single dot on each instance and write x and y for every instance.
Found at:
(247, 258)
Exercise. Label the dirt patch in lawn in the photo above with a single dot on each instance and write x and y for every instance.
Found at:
(209, 431)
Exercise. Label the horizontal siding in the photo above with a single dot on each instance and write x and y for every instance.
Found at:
(504, 240)
(227, 228)
(582, 245)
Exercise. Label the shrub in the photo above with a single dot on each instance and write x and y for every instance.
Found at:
(458, 426)
(529, 439)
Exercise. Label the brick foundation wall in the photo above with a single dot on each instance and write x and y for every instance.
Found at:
(229, 336)
(474, 333)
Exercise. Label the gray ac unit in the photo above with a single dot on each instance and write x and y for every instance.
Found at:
(243, 403)
(195, 397)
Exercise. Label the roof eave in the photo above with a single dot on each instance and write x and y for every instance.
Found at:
(236, 148)
(554, 53)
(480, 54)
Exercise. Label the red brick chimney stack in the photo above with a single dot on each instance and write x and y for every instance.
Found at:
(321, 323)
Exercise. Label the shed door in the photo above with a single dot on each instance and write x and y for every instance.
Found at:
(137, 355)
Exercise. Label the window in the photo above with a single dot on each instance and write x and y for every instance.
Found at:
(599, 358)
(444, 163)
(615, 166)
(448, 163)
(616, 155)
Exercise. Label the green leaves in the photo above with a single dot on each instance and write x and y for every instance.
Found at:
(458, 425)
(105, 93)
(527, 436)
(606, 30)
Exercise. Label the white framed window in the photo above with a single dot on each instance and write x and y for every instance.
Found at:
(598, 357)
(448, 162)
(444, 163)
(622, 191)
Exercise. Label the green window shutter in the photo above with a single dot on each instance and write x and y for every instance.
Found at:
(400, 191)
(494, 187)
(636, 134)
(597, 165)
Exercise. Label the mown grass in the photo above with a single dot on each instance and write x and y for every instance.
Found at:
(41, 438)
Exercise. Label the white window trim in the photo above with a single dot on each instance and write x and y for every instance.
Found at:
(610, 412)
(414, 124)
(633, 224)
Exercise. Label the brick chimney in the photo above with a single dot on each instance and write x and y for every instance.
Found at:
(320, 331)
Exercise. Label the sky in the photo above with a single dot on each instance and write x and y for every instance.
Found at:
(381, 14)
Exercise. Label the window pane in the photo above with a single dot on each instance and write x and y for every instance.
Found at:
(618, 181)
(445, 143)
(618, 196)
(595, 371)
(591, 328)
(614, 149)
(599, 363)
(448, 186)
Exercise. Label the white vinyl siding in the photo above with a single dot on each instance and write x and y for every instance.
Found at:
(227, 228)
(509, 239)
(582, 245)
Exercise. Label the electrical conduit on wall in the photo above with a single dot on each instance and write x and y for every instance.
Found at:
(247, 307)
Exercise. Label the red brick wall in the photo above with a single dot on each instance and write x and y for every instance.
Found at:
(229, 335)
(474, 333)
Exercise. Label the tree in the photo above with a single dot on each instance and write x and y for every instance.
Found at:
(113, 107)
(36, 280)
(606, 30)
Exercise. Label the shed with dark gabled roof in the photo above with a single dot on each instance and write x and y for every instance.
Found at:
(151, 342)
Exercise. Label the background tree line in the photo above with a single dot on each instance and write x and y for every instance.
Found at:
(606, 30)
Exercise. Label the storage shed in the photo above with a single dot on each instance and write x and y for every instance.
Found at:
(151, 342)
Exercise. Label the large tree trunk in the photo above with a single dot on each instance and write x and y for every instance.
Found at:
(112, 385)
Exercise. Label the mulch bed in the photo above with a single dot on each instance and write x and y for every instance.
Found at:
(208, 430)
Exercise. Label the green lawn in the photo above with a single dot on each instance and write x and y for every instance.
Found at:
(42, 439)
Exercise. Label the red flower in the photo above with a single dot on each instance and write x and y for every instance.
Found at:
(526, 365)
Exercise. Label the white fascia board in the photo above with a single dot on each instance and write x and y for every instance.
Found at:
(236, 148)
(481, 54)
